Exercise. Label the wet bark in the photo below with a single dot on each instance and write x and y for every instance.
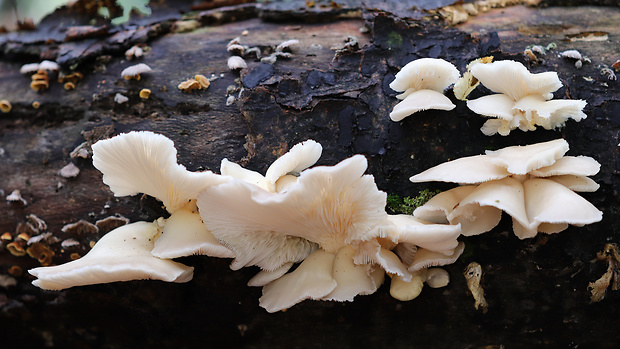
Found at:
(536, 288)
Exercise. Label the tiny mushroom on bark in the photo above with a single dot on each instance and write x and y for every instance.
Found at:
(121, 255)
(535, 184)
(422, 83)
(523, 99)
(134, 71)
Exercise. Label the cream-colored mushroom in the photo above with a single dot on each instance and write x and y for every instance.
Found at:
(121, 255)
(134, 71)
(422, 83)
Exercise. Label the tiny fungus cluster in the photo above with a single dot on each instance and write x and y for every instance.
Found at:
(523, 100)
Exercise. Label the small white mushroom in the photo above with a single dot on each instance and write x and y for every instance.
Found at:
(49, 66)
(16, 196)
(236, 63)
(437, 277)
(134, 52)
(134, 71)
(286, 45)
(573, 54)
(235, 49)
(29, 68)
(69, 171)
(120, 99)
(421, 100)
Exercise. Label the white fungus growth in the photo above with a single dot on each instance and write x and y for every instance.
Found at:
(236, 63)
(120, 99)
(69, 171)
(134, 71)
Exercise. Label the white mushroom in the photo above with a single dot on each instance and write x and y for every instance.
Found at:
(121, 255)
(477, 207)
(120, 99)
(134, 52)
(29, 68)
(236, 63)
(429, 77)
(145, 162)
(49, 66)
(134, 71)
(524, 99)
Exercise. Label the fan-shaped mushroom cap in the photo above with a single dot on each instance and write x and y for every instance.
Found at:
(330, 206)
(312, 279)
(505, 194)
(424, 258)
(145, 162)
(435, 237)
(514, 80)
(468, 170)
(569, 165)
(264, 277)
(300, 157)
(497, 105)
(49, 66)
(351, 279)
(424, 74)
(523, 159)
(421, 100)
(438, 208)
(121, 255)
(184, 234)
(29, 68)
(552, 203)
(576, 183)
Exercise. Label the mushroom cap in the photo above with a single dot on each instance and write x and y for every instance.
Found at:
(184, 234)
(424, 74)
(424, 258)
(514, 80)
(312, 279)
(576, 183)
(569, 165)
(145, 162)
(29, 68)
(407, 290)
(120, 99)
(438, 208)
(352, 279)
(264, 277)
(497, 105)
(418, 101)
(523, 159)
(236, 62)
(547, 201)
(49, 66)
(330, 206)
(297, 159)
(467, 170)
(135, 70)
(441, 238)
(437, 277)
(551, 114)
(123, 254)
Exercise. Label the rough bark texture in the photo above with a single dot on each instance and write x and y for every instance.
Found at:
(536, 288)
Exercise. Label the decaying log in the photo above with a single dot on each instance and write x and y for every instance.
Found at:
(536, 289)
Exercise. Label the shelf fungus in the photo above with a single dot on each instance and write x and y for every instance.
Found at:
(523, 100)
(422, 83)
(145, 162)
(121, 255)
(332, 219)
(134, 71)
(535, 184)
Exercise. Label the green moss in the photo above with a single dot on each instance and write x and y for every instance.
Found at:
(406, 205)
(395, 40)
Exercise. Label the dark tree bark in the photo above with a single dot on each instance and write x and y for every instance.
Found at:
(536, 288)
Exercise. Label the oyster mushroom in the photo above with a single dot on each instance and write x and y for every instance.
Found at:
(422, 83)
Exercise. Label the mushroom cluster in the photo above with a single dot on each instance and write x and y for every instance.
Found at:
(422, 83)
(332, 219)
(523, 100)
(535, 184)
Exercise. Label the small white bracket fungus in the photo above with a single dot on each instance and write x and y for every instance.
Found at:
(69, 171)
(421, 100)
(286, 45)
(134, 71)
(16, 196)
(121, 255)
(423, 74)
(29, 68)
(134, 52)
(437, 277)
